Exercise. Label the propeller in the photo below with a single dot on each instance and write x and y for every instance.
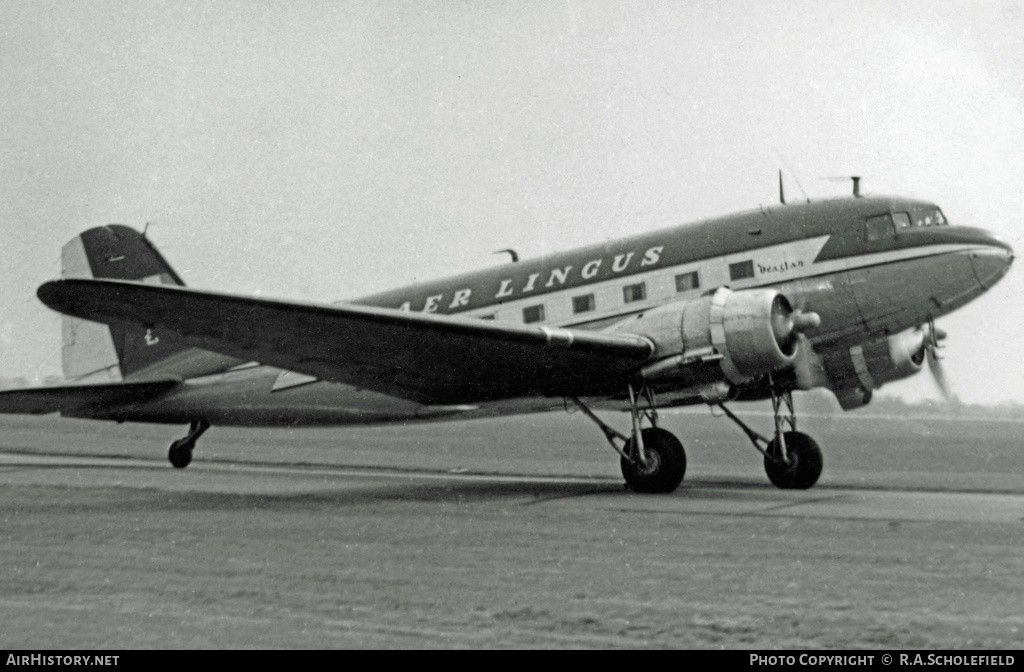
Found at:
(788, 323)
(931, 348)
(808, 367)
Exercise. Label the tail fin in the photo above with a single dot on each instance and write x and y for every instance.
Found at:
(95, 352)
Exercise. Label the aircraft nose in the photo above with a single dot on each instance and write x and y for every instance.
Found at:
(992, 261)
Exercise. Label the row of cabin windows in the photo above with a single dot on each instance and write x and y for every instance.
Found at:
(876, 228)
(630, 294)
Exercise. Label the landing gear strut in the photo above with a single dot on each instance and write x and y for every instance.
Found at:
(180, 453)
(652, 459)
(792, 460)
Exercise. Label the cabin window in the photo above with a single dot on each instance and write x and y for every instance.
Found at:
(583, 304)
(741, 270)
(533, 314)
(880, 227)
(637, 292)
(487, 317)
(687, 281)
(901, 219)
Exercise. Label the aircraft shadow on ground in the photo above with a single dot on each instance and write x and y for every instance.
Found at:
(121, 499)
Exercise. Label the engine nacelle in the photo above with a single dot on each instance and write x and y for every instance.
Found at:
(870, 365)
(749, 332)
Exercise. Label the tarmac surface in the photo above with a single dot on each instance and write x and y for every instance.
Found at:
(514, 532)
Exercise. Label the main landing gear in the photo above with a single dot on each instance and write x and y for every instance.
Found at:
(180, 453)
(792, 460)
(653, 459)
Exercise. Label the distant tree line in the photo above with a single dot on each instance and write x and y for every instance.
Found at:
(18, 382)
(815, 401)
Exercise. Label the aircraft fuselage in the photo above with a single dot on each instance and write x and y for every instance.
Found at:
(869, 267)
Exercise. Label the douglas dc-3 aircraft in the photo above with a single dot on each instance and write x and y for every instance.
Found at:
(840, 294)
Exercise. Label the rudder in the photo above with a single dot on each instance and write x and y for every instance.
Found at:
(93, 352)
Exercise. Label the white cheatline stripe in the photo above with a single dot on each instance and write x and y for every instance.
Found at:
(804, 250)
(878, 258)
(557, 336)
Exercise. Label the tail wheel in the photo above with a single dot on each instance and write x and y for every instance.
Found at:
(803, 462)
(180, 453)
(665, 463)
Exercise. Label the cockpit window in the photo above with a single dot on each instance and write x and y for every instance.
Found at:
(880, 227)
(929, 217)
(902, 219)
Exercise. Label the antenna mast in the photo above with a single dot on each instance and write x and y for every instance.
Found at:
(791, 172)
(511, 253)
(843, 178)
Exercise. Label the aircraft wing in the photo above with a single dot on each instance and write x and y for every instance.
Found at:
(71, 398)
(427, 358)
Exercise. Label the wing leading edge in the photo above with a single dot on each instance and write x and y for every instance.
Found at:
(79, 399)
(426, 358)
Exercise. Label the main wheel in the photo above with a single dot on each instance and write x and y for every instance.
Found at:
(180, 453)
(804, 462)
(666, 463)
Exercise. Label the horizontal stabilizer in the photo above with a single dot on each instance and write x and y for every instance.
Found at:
(428, 358)
(74, 399)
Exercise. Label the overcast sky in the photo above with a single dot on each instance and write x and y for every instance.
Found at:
(324, 150)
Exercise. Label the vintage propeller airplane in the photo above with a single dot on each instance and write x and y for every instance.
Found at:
(840, 294)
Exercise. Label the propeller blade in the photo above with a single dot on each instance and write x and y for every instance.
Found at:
(935, 363)
(808, 367)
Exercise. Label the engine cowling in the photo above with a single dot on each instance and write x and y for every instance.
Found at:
(870, 365)
(749, 332)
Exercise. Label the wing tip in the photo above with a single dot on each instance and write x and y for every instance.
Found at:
(53, 294)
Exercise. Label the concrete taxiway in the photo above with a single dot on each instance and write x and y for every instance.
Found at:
(454, 536)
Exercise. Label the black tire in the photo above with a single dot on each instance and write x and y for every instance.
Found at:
(180, 453)
(805, 462)
(666, 463)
